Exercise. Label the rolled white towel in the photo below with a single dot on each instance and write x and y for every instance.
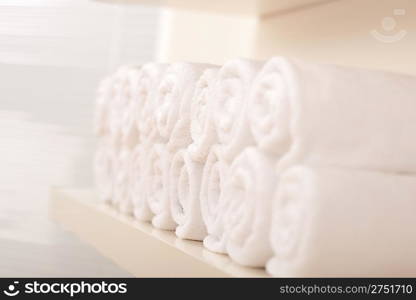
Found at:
(159, 160)
(185, 184)
(132, 108)
(334, 116)
(139, 181)
(153, 138)
(173, 99)
(119, 103)
(202, 116)
(249, 191)
(104, 171)
(104, 96)
(343, 222)
(213, 205)
(151, 75)
(231, 94)
(122, 187)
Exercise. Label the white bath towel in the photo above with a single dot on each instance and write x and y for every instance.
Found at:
(119, 103)
(213, 206)
(151, 75)
(159, 160)
(249, 191)
(335, 116)
(122, 185)
(231, 94)
(341, 222)
(153, 138)
(202, 116)
(173, 99)
(139, 175)
(104, 171)
(132, 108)
(104, 96)
(184, 185)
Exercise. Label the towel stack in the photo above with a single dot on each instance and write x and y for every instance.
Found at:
(305, 169)
(344, 139)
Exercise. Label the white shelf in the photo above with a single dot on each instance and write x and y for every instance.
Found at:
(135, 246)
(247, 7)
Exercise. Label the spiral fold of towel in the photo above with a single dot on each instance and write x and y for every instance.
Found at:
(129, 128)
(213, 205)
(173, 99)
(118, 107)
(104, 96)
(339, 222)
(139, 177)
(248, 192)
(123, 181)
(233, 84)
(202, 116)
(185, 183)
(158, 187)
(310, 113)
(151, 74)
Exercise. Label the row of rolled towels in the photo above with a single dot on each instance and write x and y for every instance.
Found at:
(305, 169)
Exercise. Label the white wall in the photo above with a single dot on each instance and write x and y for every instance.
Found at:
(74, 33)
(53, 54)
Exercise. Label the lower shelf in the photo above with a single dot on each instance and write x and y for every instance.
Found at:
(136, 246)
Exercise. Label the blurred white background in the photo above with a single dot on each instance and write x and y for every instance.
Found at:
(54, 52)
(52, 55)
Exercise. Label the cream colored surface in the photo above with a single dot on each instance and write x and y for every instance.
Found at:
(135, 246)
(197, 36)
(339, 31)
(247, 7)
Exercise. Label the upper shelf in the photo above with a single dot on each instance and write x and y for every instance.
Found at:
(246, 7)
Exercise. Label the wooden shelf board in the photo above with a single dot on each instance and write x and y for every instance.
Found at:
(136, 246)
(246, 7)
